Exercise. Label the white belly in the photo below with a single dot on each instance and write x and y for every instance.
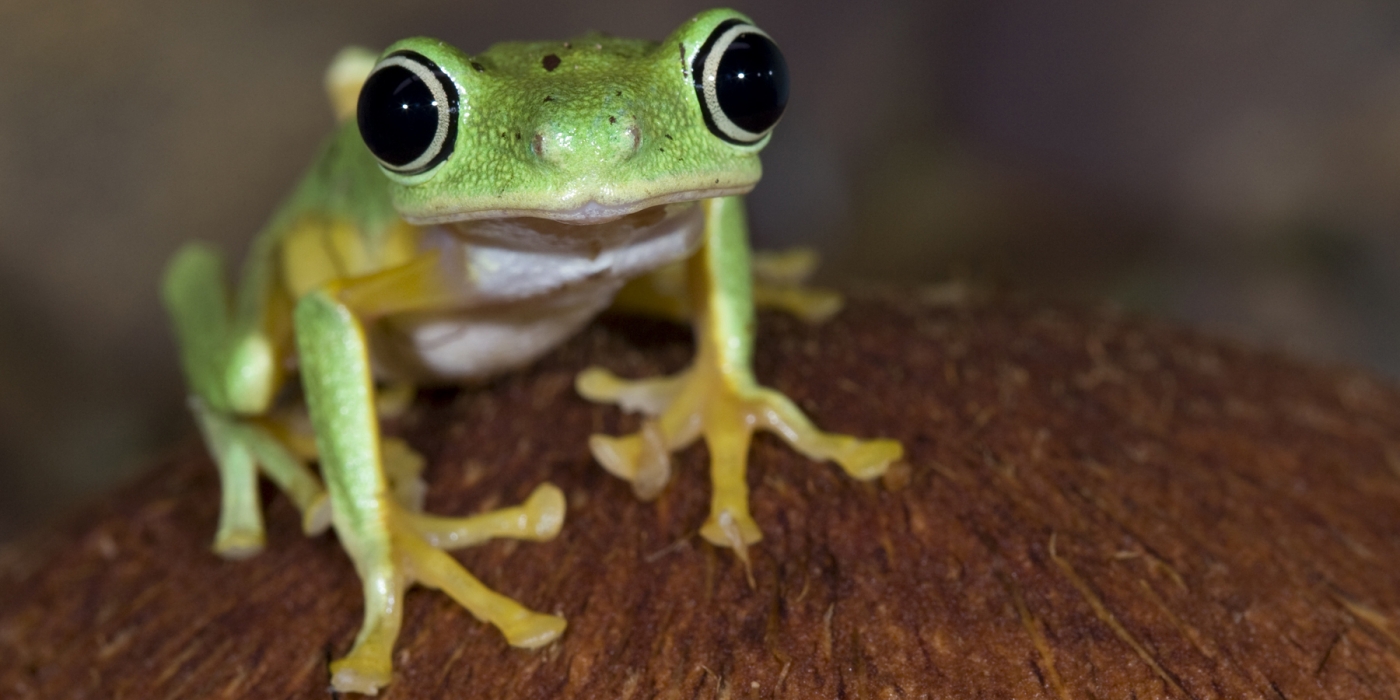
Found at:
(527, 286)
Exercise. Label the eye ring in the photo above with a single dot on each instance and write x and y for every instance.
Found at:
(407, 113)
(739, 108)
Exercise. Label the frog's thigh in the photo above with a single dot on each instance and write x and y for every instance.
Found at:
(779, 282)
(660, 293)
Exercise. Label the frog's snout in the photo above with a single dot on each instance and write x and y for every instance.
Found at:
(612, 139)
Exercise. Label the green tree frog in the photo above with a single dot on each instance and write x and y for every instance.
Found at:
(469, 214)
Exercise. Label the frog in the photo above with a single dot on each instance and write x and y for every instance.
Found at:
(469, 213)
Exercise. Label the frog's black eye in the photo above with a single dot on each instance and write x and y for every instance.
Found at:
(742, 82)
(408, 113)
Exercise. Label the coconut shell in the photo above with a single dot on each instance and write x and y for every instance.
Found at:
(1092, 505)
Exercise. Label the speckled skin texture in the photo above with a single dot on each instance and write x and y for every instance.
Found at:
(616, 123)
(1094, 506)
(612, 121)
(578, 139)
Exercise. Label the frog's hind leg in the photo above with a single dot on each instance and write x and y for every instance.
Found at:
(240, 530)
(229, 365)
(779, 283)
(391, 546)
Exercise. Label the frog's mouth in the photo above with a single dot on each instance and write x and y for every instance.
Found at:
(589, 233)
(590, 212)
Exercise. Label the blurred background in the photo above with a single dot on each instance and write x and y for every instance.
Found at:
(1231, 163)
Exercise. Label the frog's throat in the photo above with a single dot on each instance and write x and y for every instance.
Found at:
(590, 212)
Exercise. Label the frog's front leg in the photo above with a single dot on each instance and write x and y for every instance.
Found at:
(391, 546)
(717, 397)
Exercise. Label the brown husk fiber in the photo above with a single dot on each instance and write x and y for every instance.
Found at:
(1093, 506)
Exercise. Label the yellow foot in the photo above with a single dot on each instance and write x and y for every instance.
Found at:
(404, 468)
(779, 282)
(539, 519)
(701, 402)
(394, 400)
(238, 544)
(410, 554)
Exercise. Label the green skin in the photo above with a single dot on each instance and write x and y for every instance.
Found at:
(616, 124)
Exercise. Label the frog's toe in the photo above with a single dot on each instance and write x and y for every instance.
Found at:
(431, 567)
(733, 528)
(728, 435)
(779, 279)
(369, 666)
(532, 630)
(810, 305)
(539, 519)
(238, 544)
(643, 458)
(868, 459)
(861, 459)
(394, 400)
(647, 396)
(792, 266)
(730, 528)
(404, 468)
(317, 517)
(364, 678)
(543, 514)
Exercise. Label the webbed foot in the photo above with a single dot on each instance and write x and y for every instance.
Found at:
(702, 402)
(404, 548)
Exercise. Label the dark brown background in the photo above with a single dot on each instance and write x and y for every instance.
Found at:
(1230, 162)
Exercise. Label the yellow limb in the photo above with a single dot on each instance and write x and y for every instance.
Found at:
(386, 574)
(521, 626)
(538, 518)
(317, 251)
(717, 397)
(779, 282)
(660, 293)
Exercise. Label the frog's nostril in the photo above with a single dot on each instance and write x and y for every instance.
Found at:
(537, 144)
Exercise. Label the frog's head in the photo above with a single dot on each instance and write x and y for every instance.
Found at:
(578, 131)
